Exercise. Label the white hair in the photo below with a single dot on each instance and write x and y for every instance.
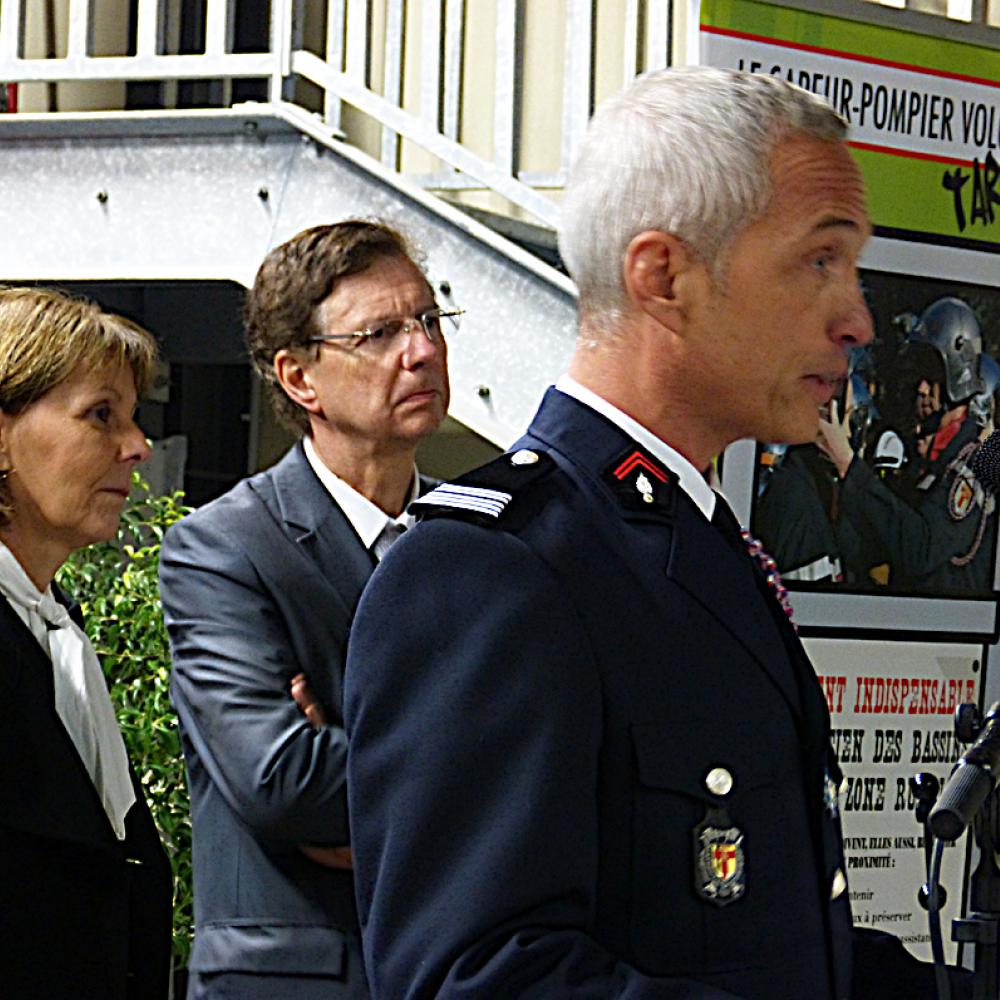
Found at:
(684, 151)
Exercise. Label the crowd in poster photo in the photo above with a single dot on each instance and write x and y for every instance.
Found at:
(888, 497)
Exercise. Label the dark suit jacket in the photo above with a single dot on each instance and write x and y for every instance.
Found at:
(258, 586)
(534, 704)
(82, 914)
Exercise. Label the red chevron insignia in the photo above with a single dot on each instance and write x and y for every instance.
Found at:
(638, 460)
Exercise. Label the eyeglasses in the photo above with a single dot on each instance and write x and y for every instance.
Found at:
(435, 323)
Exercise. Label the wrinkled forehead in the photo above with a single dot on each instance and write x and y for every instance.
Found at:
(818, 181)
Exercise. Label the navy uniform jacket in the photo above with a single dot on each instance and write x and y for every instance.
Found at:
(536, 705)
(83, 915)
(944, 543)
(257, 586)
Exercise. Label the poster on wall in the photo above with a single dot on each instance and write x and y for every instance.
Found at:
(924, 113)
(891, 707)
(911, 514)
(914, 514)
(891, 499)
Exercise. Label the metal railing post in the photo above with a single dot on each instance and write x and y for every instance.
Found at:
(506, 94)
(282, 12)
(336, 26)
(392, 76)
(454, 28)
(578, 82)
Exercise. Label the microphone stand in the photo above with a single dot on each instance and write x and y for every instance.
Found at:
(967, 796)
(932, 895)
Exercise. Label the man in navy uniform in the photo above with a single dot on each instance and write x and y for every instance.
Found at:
(588, 755)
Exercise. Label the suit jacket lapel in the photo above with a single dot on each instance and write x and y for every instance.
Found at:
(319, 528)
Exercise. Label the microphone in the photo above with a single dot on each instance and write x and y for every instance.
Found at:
(985, 463)
(970, 783)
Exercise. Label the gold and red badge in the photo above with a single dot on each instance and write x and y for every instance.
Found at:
(720, 865)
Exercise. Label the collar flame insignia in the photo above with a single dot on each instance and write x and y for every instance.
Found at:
(640, 483)
(720, 869)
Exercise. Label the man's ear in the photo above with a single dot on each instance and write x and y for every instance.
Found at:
(294, 375)
(656, 269)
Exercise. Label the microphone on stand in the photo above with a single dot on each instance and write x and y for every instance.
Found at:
(971, 781)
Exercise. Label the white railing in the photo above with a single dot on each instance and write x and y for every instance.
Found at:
(151, 60)
(423, 85)
(357, 72)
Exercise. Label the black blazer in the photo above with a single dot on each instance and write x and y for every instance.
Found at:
(82, 914)
(257, 586)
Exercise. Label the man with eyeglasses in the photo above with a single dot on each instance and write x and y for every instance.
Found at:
(259, 588)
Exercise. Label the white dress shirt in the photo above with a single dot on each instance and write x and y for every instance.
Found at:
(367, 518)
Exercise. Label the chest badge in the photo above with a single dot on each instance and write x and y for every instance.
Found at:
(720, 863)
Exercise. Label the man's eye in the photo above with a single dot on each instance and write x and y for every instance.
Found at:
(825, 261)
(378, 332)
(102, 413)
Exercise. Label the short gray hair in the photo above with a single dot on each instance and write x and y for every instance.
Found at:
(684, 151)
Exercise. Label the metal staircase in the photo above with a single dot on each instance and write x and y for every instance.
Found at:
(112, 194)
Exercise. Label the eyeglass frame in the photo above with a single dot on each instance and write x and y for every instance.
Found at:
(410, 323)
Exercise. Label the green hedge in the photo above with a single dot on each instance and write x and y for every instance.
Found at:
(116, 585)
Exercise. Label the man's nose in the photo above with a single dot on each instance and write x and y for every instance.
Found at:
(853, 328)
(419, 348)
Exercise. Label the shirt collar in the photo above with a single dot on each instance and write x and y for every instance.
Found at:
(17, 588)
(366, 518)
(690, 479)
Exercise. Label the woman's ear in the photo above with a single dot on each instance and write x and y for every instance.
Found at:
(295, 377)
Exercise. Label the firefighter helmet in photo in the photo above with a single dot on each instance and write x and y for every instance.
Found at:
(982, 406)
(951, 328)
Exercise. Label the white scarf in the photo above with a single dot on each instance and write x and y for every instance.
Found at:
(82, 701)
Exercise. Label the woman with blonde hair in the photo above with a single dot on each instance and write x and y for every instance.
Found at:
(84, 882)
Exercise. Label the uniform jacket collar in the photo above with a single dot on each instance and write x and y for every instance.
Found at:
(699, 559)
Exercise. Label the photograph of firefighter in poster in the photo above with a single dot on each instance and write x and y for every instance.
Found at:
(896, 494)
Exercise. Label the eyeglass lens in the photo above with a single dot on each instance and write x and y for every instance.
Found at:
(429, 323)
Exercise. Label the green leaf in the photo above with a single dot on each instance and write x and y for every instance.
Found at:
(116, 586)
